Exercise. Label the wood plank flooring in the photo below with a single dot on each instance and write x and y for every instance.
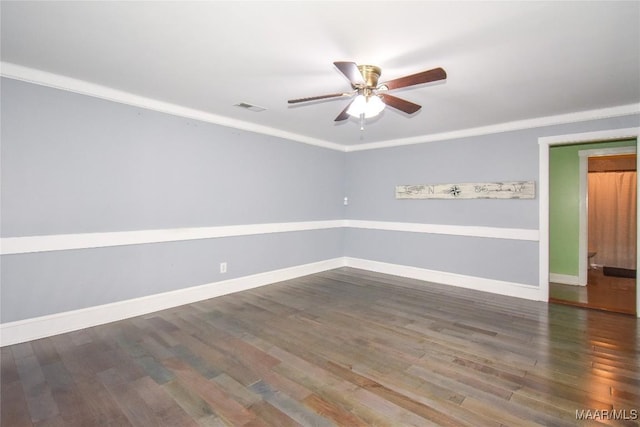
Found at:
(344, 347)
(617, 294)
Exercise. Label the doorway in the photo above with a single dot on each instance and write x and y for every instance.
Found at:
(607, 231)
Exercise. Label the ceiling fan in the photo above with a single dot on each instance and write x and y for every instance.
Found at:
(372, 97)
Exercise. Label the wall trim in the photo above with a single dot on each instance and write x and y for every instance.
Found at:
(453, 230)
(566, 279)
(43, 78)
(582, 116)
(40, 327)
(596, 136)
(453, 279)
(45, 326)
(61, 242)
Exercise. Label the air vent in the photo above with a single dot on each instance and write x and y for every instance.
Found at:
(250, 107)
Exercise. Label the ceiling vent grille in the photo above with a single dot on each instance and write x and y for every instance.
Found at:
(249, 107)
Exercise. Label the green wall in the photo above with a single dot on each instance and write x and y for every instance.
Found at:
(564, 204)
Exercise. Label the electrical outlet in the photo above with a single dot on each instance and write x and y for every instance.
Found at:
(223, 267)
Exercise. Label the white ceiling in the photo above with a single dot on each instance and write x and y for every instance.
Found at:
(506, 61)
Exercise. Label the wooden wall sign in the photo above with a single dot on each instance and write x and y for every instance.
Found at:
(479, 190)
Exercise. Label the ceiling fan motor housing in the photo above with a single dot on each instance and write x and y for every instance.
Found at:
(370, 74)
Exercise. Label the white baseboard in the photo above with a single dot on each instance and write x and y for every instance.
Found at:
(54, 324)
(469, 282)
(565, 279)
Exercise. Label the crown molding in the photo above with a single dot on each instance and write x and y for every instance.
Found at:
(586, 137)
(582, 116)
(43, 78)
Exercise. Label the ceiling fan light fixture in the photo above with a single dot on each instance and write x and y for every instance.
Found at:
(370, 106)
(364, 82)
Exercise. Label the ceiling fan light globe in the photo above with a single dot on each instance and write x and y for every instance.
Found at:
(370, 107)
(357, 106)
(374, 106)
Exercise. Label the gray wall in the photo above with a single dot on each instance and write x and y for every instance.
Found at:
(499, 259)
(77, 164)
(371, 177)
(50, 282)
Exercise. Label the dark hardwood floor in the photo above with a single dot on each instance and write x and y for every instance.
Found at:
(602, 292)
(344, 347)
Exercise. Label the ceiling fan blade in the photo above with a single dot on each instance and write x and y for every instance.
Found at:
(416, 79)
(343, 115)
(350, 70)
(399, 103)
(315, 98)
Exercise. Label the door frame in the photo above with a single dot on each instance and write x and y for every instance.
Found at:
(544, 143)
(583, 241)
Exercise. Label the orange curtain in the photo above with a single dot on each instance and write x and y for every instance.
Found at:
(612, 218)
